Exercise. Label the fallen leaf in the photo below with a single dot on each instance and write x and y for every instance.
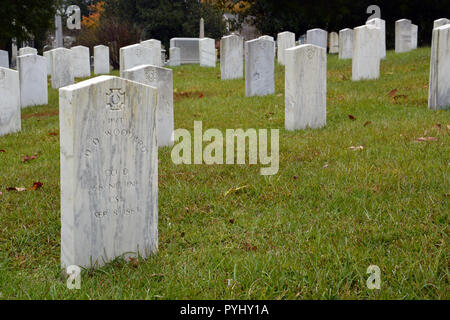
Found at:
(438, 125)
(325, 166)
(342, 77)
(231, 221)
(295, 177)
(367, 123)
(16, 189)
(200, 96)
(2, 150)
(26, 158)
(392, 93)
(36, 185)
(400, 96)
(421, 139)
(53, 134)
(351, 117)
(356, 148)
(232, 190)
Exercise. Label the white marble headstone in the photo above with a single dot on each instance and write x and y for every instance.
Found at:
(109, 171)
(155, 46)
(334, 43)
(174, 57)
(232, 57)
(9, 101)
(366, 53)
(33, 80)
(27, 50)
(440, 22)
(48, 59)
(4, 59)
(346, 43)
(285, 40)
(162, 79)
(81, 62)
(259, 67)
(135, 55)
(207, 52)
(189, 49)
(439, 92)
(101, 60)
(414, 36)
(318, 37)
(380, 23)
(305, 87)
(61, 66)
(403, 42)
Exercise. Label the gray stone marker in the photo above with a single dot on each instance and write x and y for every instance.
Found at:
(135, 55)
(109, 171)
(285, 40)
(62, 70)
(189, 49)
(27, 50)
(81, 62)
(162, 79)
(259, 67)
(48, 59)
(366, 53)
(33, 80)
(440, 22)
(174, 57)
(231, 57)
(207, 50)
(101, 60)
(317, 37)
(9, 101)
(4, 59)
(346, 43)
(380, 23)
(305, 87)
(202, 28)
(439, 92)
(414, 35)
(155, 46)
(334, 43)
(403, 42)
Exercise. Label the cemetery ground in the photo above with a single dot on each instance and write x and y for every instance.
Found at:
(370, 188)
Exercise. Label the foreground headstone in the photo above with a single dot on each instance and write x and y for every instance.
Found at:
(33, 80)
(48, 59)
(9, 101)
(61, 66)
(81, 62)
(101, 60)
(403, 42)
(346, 43)
(4, 59)
(109, 171)
(334, 43)
(189, 49)
(174, 57)
(317, 37)
(305, 87)
(380, 23)
(285, 40)
(439, 92)
(366, 53)
(162, 79)
(207, 52)
(440, 22)
(155, 46)
(414, 36)
(135, 55)
(27, 50)
(259, 67)
(231, 57)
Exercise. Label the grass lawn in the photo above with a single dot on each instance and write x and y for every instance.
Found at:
(308, 232)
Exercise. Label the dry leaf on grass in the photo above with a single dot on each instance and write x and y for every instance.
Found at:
(351, 117)
(392, 93)
(18, 189)
(36, 185)
(233, 190)
(421, 139)
(356, 148)
(367, 123)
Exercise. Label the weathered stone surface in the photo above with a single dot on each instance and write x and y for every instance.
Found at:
(9, 101)
(403, 42)
(61, 66)
(189, 49)
(101, 60)
(259, 67)
(135, 55)
(380, 23)
(334, 42)
(414, 35)
(81, 62)
(109, 171)
(48, 60)
(162, 79)
(366, 53)
(305, 87)
(440, 22)
(317, 37)
(27, 50)
(285, 40)
(155, 46)
(346, 43)
(174, 59)
(207, 52)
(4, 59)
(439, 92)
(231, 57)
(33, 80)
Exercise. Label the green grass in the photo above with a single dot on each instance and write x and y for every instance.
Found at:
(309, 232)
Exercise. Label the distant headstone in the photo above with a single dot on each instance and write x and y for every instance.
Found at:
(440, 22)
(162, 79)
(135, 55)
(346, 43)
(259, 67)
(101, 60)
(231, 57)
(33, 80)
(414, 35)
(48, 59)
(189, 49)
(305, 87)
(403, 42)
(366, 53)
(202, 28)
(207, 52)
(14, 53)
(59, 42)
(317, 37)
(380, 23)
(4, 59)
(285, 40)
(439, 92)
(155, 46)
(61, 66)
(9, 101)
(334, 43)
(109, 171)
(27, 50)
(174, 56)
(81, 62)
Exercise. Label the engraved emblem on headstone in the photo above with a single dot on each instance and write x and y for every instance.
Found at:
(309, 53)
(151, 75)
(115, 99)
(138, 52)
